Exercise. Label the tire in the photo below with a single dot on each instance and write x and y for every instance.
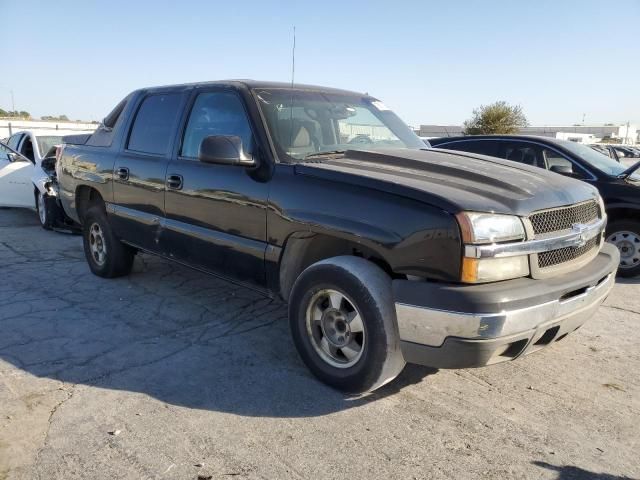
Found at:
(371, 355)
(625, 234)
(45, 208)
(107, 256)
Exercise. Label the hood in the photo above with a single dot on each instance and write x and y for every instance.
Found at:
(453, 181)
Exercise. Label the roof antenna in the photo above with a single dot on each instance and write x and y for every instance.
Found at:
(293, 57)
(293, 74)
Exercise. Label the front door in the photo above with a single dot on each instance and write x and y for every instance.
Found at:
(140, 169)
(16, 189)
(216, 214)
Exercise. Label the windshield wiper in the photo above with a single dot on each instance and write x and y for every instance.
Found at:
(629, 171)
(324, 154)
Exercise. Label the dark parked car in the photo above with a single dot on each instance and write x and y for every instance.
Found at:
(618, 184)
(622, 154)
(385, 251)
(600, 149)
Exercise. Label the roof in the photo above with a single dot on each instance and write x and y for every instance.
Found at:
(258, 84)
(52, 132)
(539, 138)
(545, 131)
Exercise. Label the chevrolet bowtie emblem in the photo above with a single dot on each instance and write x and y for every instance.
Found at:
(581, 230)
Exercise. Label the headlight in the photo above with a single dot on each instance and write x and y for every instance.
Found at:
(489, 228)
(601, 203)
(484, 228)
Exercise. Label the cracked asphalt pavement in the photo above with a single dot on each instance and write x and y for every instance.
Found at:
(172, 374)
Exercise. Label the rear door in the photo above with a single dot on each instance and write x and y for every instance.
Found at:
(140, 169)
(216, 214)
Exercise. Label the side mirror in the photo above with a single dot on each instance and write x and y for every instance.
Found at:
(224, 150)
(562, 169)
(16, 157)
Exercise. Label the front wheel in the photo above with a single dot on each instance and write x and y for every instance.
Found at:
(106, 255)
(343, 323)
(45, 210)
(625, 234)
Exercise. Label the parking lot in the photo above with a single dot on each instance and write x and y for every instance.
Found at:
(169, 373)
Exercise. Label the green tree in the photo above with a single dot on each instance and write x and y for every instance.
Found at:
(16, 114)
(60, 118)
(497, 118)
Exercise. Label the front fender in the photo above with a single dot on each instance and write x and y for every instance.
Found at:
(44, 183)
(344, 227)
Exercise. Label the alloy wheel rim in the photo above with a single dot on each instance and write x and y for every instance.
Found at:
(97, 245)
(335, 328)
(628, 243)
(41, 210)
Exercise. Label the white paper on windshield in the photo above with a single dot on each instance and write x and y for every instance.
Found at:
(380, 106)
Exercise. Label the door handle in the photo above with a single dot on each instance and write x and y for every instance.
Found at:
(123, 173)
(174, 182)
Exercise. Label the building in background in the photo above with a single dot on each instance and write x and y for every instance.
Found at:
(625, 134)
(8, 126)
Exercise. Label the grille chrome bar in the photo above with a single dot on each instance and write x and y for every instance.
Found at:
(574, 238)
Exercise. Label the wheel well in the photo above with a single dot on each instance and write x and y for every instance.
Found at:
(616, 214)
(304, 249)
(86, 197)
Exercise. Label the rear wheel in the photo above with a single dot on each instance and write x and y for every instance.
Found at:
(625, 234)
(107, 256)
(343, 323)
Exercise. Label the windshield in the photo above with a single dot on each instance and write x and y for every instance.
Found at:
(45, 143)
(598, 160)
(304, 123)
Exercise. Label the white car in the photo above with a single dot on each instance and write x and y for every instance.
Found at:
(24, 180)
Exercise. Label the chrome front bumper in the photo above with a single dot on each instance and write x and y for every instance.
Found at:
(446, 338)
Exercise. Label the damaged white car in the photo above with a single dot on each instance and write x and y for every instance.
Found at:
(28, 178)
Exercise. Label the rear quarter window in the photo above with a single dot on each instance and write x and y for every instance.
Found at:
(103, 136)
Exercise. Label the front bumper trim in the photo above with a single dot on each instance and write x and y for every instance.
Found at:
(500, 321)
(431, 326)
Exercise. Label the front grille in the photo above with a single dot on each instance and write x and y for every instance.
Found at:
(562, 255)
(560, 219)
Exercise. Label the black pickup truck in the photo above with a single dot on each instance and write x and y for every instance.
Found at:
(385, 251)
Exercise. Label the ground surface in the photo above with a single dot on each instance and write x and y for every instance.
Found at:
(152, 375)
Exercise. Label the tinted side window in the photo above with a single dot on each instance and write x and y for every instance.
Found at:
(153, 127)
(216, 113)
(519, 152)
(483, 147)
(554, 159)
(103, 135)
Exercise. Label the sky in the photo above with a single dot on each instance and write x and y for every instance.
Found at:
(432, 62)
